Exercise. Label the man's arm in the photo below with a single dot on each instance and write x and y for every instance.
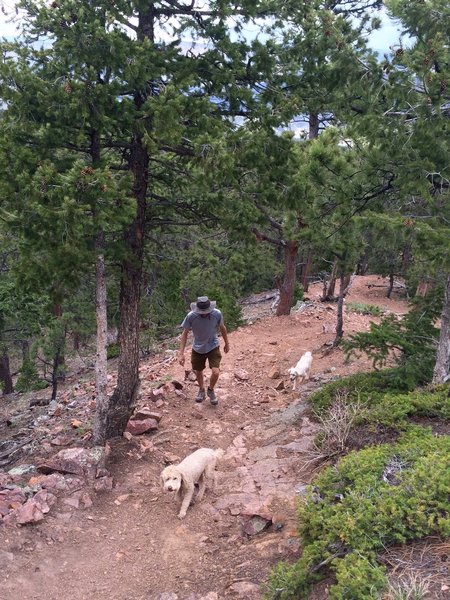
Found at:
(224, 332)
(183, 339)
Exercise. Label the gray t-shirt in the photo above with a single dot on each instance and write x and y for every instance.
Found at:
(204, 329)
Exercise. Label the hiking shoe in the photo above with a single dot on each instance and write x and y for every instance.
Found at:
(200, 396)
(212, 397)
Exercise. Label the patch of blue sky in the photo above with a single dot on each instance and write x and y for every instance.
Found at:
(9, 20)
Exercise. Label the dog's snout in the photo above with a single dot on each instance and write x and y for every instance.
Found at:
(170, 488)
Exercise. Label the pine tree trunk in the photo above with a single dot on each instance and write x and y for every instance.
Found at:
(286, 287)
(441, 372)
(124, 398)
(5, 374)
(25, 350)
(313, 126)
(330, 285)
(345, 285)
(391, 285)
(306, 270)
(340, 312)
(55, 372)
(59, 371)
(101, 356)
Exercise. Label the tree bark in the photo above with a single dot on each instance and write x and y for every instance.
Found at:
(5, 374)
(441, 372)
(391, 285)
(101, 355)
(345, 285)
(306, 269)
(330, 285)
(313, 126)
(124, 398)
(286, 286)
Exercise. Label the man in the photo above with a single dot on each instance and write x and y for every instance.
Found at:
(204, 320)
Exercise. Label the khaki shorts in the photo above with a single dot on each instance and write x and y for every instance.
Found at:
(199, 360)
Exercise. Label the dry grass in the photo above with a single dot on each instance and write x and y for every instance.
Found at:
(424, 563)
(410, 586)
(335, 428)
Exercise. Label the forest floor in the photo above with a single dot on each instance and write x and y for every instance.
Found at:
(127, 543)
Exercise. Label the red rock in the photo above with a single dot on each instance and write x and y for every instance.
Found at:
(141, 426)
(77, 461)
(241, 375)
(146, 413)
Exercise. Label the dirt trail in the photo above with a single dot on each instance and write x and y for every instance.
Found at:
(129, 544)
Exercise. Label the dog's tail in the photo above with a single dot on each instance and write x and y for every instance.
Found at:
(219, 453)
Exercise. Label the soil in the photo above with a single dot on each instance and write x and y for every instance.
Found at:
(128, 544)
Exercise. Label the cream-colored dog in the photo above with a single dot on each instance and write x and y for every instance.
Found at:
(302, 369)
(198, 467)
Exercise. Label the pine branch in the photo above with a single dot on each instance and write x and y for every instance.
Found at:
(265, 238)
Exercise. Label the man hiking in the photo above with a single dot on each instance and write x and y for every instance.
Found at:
(205, 321)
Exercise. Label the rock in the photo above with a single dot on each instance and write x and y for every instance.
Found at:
(61, 440)
(170, 458)
(156, 394)
(146, 413)
(22, 470)
(77, 461)
(177, 384)
(40, 402)
(274, 373)
(55, 481)
(241, 375)
(103, 484)
(280, 386)
(11, 499)
(137, 427)
(34, 509)
(255, 524)
(245, 589)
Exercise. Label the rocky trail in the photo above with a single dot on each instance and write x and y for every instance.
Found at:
(111, 532)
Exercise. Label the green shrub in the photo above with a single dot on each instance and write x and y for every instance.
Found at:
(381, 495)
(357, 577)
(299, 293)
(368, 387)
(394, 409)
(29, 380)
(364, 309)
(409, 340)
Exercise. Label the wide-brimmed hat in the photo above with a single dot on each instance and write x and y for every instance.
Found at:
(203, 306)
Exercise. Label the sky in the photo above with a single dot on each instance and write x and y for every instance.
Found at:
(379, 40)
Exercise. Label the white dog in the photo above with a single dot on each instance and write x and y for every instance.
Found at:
(302, 370)
(195, 468)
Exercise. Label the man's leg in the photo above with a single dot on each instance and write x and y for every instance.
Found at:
(215, 372)
(201, 395)
(214, 358)
(198, 365)
(212, 382)
(200, 379)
